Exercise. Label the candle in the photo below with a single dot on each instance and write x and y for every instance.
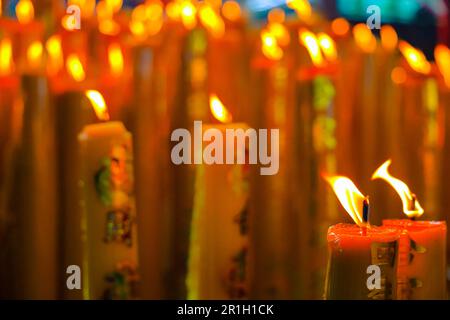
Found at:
(422, 265)
(355, 248)
(218, 266)
(106, 199)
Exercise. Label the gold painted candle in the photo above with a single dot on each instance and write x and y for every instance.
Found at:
(106, 200)
(219, 254)
(422, 264)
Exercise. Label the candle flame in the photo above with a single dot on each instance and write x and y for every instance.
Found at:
(211, 20)
(411, 206)
(340, 26)
(6, 59)
(389, 38)
(188, 15)
(115, 58)
(114, 5)
(75, 68)
(442, 56)
(415, 58)
(311, 43)
(364, 38)
(34, 54)
(99, 104)
(25, 11)
(302, 7)
(54, 49)
(328, 46)
(349, 196)
(218, 110)
(269, 46)
(231, 10)
(87, 7)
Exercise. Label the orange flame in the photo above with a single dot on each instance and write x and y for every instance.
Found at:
(218, 110)
(311, 43)
(6, 59)
(188, 15)
(87, 7)
(25, 11)
(411, 206)
(349, 196)
(364, 38)
(211, 20)
(99, 104)
(328, 46)
(34, 54)
(415, 58)
(302, 7)
(75, 68)
(442, 56)
(54, 49)
(269, 46)
(231, 10)
(115, 58)
(398, 75)
(389, 38)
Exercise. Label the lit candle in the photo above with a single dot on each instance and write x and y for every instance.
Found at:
(106, 199)
(218, 266)
(422, 252)
(353, 248)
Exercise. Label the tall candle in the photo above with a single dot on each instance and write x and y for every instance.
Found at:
(422, 264)
(106, 199)
(353, 249)
(219, 253)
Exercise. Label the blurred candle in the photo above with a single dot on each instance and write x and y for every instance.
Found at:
(106, 199)
(218, 266)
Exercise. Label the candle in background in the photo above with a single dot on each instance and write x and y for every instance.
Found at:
(106, 199)
(219, 250)
(422, 252)
(352, 248)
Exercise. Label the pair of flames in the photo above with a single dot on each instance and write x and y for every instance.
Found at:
(353, 200)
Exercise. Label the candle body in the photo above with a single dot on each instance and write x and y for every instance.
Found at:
(422, 259)
(218, 266)
(350, 255)
(108, 222)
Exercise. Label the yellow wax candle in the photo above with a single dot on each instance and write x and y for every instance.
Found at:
(108, 227)
(219, 250)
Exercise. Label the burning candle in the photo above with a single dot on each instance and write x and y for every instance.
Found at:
(422, 265)
(108, 226)
(354, 248)
(219, 254)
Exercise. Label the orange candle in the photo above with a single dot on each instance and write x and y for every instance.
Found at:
(355, 249)
(421, 270)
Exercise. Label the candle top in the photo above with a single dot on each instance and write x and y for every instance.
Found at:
(416, 226)
(352, 234)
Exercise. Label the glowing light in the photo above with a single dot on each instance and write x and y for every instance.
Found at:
(411, 206)
(349, 196)
(415, 58)
(302, 7)
(340, 26)
(6, 59)
(25, 11)
(442, 56)
(328, 46)
(231, 10)
(188, 15)
(115, 58)
(218, 110)
(34, 54)
(364, 38)
(98, 103)
(269, 46)
(398, 75)
(211, 21)
(109, 27)
(280, 32)
(54, 50)
(75, 68)
(389, 38)
(309, 40)
(276, 15)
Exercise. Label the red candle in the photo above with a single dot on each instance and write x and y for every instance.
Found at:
(421, 272)
(355, 251)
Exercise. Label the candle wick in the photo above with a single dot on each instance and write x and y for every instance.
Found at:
(412, 205)
(366, 213)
